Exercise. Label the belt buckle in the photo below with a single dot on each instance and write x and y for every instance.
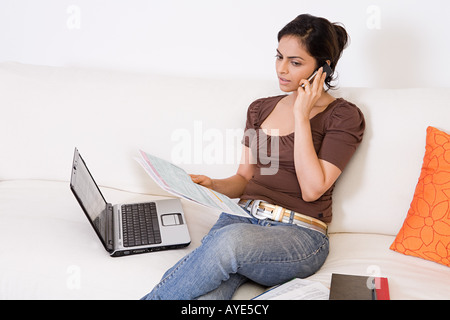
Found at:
(254, 210)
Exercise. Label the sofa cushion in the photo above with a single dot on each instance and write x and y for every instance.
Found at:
(368, 255)
(109, 115)
(426, 230)
(51, 251)
(374, 192)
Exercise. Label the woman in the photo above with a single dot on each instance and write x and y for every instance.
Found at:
(285, 235)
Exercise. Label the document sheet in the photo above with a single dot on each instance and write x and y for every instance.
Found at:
(296, 289)
(176, 181)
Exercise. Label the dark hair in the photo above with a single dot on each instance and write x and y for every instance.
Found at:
(322, 39)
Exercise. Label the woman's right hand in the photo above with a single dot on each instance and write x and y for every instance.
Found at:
(202, 180)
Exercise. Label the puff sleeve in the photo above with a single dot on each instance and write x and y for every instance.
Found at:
(252, 122)
(344, 131)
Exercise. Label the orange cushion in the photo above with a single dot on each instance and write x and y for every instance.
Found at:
(426, 230)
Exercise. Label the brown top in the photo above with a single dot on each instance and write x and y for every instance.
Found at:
(337, 131)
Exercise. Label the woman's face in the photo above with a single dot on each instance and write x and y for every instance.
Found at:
(293, 63)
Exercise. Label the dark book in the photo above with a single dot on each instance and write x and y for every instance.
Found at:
(351, 287)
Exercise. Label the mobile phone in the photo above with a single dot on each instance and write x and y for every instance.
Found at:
(326, 69)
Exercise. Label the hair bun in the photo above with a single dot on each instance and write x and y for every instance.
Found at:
(342, 36)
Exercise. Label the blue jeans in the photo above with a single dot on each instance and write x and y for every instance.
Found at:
(237, 249)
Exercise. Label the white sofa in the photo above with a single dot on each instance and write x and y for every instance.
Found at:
(49, 250)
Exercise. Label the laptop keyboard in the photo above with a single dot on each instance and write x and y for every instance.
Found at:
(140, 224)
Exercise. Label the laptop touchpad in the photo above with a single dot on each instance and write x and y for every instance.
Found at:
(171, 219)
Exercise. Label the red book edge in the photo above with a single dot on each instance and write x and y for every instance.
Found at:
(382, 288)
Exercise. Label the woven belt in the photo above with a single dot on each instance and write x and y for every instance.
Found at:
(263, 210)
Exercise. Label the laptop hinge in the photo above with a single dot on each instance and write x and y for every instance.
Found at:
(109, 227)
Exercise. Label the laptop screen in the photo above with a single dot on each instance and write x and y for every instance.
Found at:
(88, 194)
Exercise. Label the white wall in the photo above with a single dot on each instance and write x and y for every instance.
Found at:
(395, 43)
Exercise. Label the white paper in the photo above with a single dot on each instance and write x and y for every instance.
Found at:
(297, 289)
(175, 180)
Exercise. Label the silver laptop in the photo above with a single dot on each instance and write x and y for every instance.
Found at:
(126, 229)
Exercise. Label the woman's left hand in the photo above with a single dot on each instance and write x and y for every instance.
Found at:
(308, 95)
